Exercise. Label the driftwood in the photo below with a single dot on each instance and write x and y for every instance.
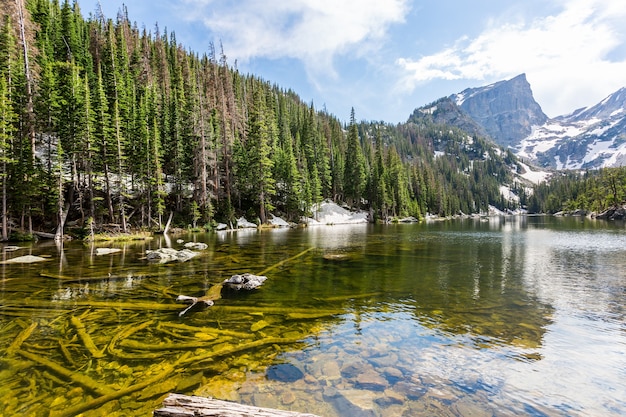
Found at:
(176, 405)
(237, 282)
(45, 235)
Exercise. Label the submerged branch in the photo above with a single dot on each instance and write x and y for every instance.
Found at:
(284, 261)
(80, 379)
(16, 345)
(86, 338)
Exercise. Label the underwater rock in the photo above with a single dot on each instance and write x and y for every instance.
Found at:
(351, 402)
(26, 259)
(196, 245)
(371, 380)
(106, 251)
(354, 368)
(284, 372)
(391, 397)
(164, 255)
(336, 257)
(411, 391)
(10, 248)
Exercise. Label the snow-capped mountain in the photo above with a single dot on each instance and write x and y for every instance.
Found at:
(591, 137)
(506, 111)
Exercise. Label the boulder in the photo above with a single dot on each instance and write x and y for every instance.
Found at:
(242, 223)
(26, 259)
(165, 255)
(278, 222)
(196, 245)
(614, 213)
(284, 372)
(245, 281)
(106, 251)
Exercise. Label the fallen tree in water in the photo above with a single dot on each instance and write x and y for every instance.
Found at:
(183, 405)
(237, 282)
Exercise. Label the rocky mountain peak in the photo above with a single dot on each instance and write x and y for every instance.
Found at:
(506, 110)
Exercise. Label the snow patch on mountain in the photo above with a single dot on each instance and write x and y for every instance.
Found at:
(536, 177)
(588, 138)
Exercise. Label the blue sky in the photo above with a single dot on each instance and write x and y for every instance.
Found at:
(387, 57)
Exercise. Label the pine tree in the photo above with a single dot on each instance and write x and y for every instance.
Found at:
(7, 118)
(379, 198)
(354, 171)
(102, 138)
(259, 140)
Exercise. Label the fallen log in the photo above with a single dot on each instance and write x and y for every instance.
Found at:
(78, 378)
(176, 405)
(237, 282)
(86, 338)
(45, 235)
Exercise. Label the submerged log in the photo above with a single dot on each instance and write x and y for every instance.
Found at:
(176, 405)
(237, 282)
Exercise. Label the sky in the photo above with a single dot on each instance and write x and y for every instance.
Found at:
(384, 58)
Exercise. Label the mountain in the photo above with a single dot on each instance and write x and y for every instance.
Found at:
(590, 137)
(506, 110)
(445, 111)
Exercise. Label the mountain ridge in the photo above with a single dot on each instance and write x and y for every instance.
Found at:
(506, 111)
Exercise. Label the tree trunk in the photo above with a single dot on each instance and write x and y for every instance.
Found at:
(30, 109)
(177, 405)
(169, 221)
(109, 199)
(5, 215)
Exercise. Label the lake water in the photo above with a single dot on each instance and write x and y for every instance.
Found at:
(500, 317)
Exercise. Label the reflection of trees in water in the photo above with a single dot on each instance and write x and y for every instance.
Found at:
(462, 283)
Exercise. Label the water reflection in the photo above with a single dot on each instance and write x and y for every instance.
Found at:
(508, 316)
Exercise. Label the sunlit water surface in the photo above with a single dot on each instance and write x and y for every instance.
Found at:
(510, 316)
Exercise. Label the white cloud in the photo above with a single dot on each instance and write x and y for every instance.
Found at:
(313, 31)
(565, 56)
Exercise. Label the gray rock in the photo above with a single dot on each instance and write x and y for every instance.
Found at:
(26, 259)
(353, 402)
(196, 245)
(410, 390)
(371, 380)
(353, 369)
(506, 110)
(242, 223)
(106, 251)
(165, 255)
(245, 281)
(10, 248)
(390, 397)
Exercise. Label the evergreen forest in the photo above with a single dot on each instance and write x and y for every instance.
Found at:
(106, 123)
